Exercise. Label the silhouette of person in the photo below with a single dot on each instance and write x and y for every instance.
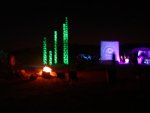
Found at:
(135, 56)
(112, 70)
(113, 59)
(136, 69)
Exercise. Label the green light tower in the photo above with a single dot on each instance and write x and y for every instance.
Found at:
(55, 47)
(65, 42)
(45, 51)
(50, 58)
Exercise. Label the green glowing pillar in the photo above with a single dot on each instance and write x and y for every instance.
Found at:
(65, 42)
(45, 51)
(55, 47)
(50, 58)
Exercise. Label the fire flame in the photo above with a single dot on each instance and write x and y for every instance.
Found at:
(47, 69)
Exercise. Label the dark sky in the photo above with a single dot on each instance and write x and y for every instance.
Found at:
(23, 24)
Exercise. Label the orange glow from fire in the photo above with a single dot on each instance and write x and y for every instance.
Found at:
(53, 74)
(39, 73)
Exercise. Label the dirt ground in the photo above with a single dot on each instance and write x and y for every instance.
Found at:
(91, 93)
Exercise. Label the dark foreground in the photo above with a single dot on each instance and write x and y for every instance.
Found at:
(82, 96)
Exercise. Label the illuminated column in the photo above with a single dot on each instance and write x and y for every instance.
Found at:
(45, 51)
(65, 42)
(55, 47)
(50, 58)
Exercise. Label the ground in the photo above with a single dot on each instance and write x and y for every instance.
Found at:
(91, 93)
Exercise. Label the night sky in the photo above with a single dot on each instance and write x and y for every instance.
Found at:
(24, 24)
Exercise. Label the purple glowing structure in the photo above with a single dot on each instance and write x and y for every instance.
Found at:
(107, 48)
